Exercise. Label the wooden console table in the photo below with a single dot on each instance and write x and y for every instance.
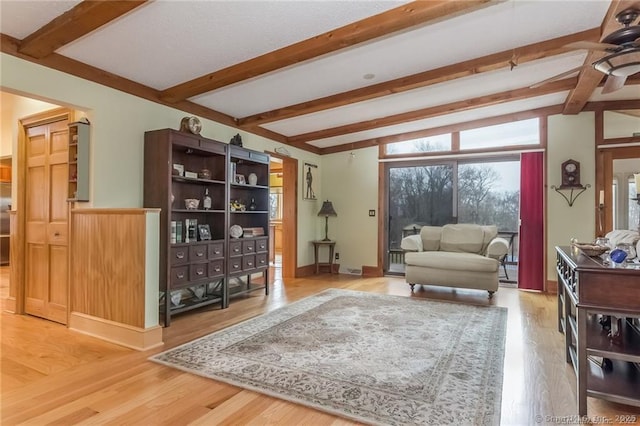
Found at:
(589, 290)
(316, 246)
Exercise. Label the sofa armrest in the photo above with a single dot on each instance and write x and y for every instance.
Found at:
(498, 248)
(411, 243)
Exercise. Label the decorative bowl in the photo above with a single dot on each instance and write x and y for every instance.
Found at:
(191, 203)
(591, 250)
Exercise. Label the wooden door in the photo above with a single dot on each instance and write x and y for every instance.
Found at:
(46, 221)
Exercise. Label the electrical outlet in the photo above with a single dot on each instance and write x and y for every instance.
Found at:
(337, 256)
(372, 213)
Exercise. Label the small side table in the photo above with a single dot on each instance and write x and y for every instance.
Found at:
(316, 246)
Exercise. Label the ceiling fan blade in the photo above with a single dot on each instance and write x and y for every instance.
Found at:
(613, 83)
(556, 77)
(590, 45)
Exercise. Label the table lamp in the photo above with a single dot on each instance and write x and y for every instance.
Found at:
(326, 211)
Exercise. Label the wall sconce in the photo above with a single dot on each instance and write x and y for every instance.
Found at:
(572, 195)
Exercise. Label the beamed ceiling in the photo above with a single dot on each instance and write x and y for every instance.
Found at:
(329, 76)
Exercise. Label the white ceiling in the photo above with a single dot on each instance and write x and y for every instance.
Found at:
(165, 43)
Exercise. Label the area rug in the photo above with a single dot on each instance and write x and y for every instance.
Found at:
(372, 358)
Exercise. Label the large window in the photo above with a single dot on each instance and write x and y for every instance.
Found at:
(486, 193)
(463, 188)
(427, 144)
(515, 133)
(489, 193)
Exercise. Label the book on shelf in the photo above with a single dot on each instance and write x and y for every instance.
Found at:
(174, 231)
(253, 232)
(179, 231)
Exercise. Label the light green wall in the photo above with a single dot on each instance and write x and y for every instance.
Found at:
(351, 183)
(118, 122)
(570, 136)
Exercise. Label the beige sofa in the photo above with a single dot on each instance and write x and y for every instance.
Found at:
(460, 255)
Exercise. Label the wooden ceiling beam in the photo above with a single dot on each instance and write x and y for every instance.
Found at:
(487, 63)
(397, 19)
(434, 111)
(10, 45)
(73, 24)
(589, 78)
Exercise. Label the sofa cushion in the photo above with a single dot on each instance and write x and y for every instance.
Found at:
(452, 261)
(462, 238)
(430, 236)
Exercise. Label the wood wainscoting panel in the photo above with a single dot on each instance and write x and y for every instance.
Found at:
(108, 265)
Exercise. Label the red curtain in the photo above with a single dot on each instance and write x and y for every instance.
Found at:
(531, 251)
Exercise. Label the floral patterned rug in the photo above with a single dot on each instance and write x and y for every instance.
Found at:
(373, 358)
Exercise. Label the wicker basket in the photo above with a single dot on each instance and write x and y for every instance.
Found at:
(591, 250)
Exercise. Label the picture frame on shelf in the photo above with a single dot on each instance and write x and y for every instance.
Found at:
(179, 168)
(192, 175)
(308, 177)
(204, 232)
(240, 179)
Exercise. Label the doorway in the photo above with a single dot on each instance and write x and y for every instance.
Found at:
(283, 213)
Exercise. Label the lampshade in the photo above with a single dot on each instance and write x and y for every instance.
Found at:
(327, 209)
(620, 64)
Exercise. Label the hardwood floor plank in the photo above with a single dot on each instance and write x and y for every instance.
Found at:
(52, 375)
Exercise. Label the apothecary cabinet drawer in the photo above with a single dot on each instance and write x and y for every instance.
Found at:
(198, 252)
(261, 245)
(248, 247)
(261, 260)
(235, 248)
(179, 255)
(216, 250)
(216, 268)
(179, 275)
(198, 271)
(235, 264)
(248, 262)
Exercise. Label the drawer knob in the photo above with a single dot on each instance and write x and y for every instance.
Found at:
(216, 252)
(180, 255)
(200, 254)
(217, 269)
(180, 275)
(250, 249)
(250, 263)
(236, 249)
(236, 266)
(199, 272)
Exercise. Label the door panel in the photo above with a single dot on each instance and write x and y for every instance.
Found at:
(36, 194)
(58, 183)
(46, 279)
(58, 275)
(36, 273)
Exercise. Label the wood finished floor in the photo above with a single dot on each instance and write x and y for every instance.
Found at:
(51, 375)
